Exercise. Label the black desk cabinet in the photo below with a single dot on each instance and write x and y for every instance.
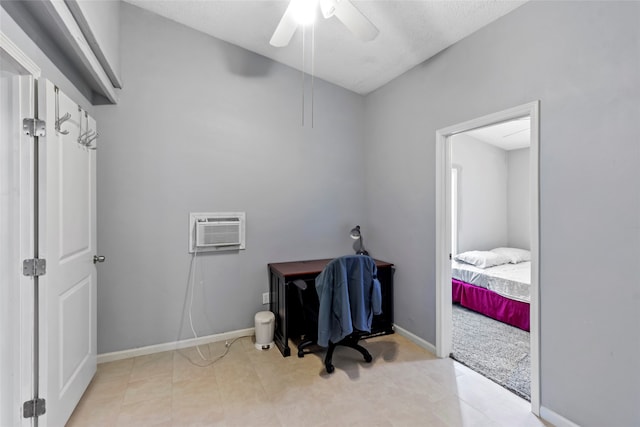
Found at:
(280, 274)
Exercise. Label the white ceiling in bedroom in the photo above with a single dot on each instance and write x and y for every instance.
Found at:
(511, 135)
(411, 31)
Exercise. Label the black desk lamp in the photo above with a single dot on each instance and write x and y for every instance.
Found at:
(357, 235)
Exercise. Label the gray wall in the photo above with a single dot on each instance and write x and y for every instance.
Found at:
(99, 21)
(482, 193)
(204, 126)
(581, 60)
(518, 202)
(219, 131)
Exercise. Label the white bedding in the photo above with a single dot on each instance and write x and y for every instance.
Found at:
(509, 280)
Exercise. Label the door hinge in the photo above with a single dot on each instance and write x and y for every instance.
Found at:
(34, 267)
(33, 127)
(34, 408)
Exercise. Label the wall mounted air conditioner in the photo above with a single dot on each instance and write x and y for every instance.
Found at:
(216, 231)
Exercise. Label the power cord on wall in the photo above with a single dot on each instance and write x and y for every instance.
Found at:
(191, 287)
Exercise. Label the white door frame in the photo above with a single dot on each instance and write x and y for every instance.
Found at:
(443, 233)
(18, 337)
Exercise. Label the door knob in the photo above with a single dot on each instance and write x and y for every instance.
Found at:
(98, 258)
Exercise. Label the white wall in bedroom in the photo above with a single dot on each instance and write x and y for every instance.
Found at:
(518, 212)
(482, 193)
(493, 195)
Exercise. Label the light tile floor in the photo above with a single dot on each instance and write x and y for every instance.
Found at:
(405, 385)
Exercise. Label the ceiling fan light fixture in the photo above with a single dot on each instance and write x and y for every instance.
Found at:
(304, 11)
(328, 8)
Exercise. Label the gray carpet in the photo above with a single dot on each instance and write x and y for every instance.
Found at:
(496, 350)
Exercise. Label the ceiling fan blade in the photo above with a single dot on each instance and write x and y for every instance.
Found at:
(285, 29)
(354, 20)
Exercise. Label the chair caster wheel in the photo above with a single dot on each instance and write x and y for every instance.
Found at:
(330, 369)
(368, 358)
(300, 353)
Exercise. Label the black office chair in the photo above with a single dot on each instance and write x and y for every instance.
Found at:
(351, 283)
(308, 302)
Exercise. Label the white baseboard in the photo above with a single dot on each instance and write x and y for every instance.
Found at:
(556, 419)
(142, 351)
(416, 339)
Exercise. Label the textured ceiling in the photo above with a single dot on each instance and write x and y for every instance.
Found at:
(410, 32)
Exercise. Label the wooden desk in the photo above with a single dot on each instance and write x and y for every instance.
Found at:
(281, 273)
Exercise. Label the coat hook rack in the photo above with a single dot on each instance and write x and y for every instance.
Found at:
(85, 139)
(60, 120)
(93, 147)
(91, 139)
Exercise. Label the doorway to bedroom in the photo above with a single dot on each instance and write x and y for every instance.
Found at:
(487, 281)
(491, 266)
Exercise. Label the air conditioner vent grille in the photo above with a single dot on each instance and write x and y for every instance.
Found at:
(216, 231)
(218, 234)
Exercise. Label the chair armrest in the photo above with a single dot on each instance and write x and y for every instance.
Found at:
(300, 284)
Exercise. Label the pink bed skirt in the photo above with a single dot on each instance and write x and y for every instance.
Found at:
(511, 312)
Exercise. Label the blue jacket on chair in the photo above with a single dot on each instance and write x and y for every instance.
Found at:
(349, 294)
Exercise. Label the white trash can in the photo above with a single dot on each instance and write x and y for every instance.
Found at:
(265, 326)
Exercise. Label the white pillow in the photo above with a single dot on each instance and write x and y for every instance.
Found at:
(482, 259)
(515, 255)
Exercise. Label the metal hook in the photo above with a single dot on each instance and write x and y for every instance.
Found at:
(87, 134)
(60, 120)
(83, 139)
(92, 138)
(80, 125)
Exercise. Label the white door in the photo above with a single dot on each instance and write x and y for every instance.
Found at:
(17, 101)
(68, 211)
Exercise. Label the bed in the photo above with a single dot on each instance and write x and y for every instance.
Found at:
(498, 288)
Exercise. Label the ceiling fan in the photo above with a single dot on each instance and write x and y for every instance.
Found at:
(303, 12)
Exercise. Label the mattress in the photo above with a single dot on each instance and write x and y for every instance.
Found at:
(509, 280)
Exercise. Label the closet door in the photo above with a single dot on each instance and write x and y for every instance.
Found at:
(68, 320)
